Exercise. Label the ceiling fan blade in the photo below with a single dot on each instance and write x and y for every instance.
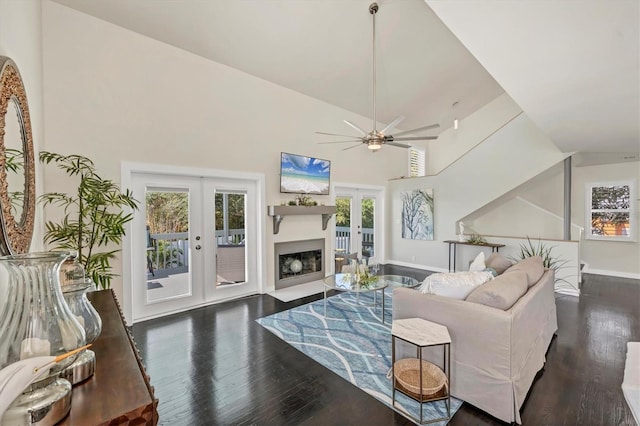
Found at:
(351, 141)
(401, 145)
(416, 138)
(351, 147)
(419, 129)
(393, 124)
(335, 134)
(358, 129)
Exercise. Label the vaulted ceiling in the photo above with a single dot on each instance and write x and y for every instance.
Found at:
(572, 66)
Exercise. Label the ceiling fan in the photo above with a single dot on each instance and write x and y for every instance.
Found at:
(376, 138)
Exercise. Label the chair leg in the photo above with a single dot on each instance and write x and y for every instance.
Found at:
(150, 266)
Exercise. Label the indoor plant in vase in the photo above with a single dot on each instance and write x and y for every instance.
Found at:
(94, 216)
(542, 250)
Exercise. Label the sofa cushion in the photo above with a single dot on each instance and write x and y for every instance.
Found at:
(498, 262)
(456, 285)
(478, 263)
(502, 292)
(532, 266)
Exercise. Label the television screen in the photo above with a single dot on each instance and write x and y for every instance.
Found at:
(304, 175)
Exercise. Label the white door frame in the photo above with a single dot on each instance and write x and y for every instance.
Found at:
(130, 168)
(213, 293)
(378, 192)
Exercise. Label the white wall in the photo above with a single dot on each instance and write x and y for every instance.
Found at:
(21, 40)
(543, 203)
(540, 200)
(473, 129)
(507, 220)
(606, 257)
(512, 155)
(114, 95)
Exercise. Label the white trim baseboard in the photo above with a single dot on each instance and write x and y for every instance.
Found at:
(619, 274)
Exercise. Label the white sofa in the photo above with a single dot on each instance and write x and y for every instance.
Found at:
(495, 353)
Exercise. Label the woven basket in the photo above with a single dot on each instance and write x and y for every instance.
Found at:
(434, 381)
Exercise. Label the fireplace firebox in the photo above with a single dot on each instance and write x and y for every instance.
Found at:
(298, 262)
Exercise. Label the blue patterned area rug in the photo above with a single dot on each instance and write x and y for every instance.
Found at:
(353, 343)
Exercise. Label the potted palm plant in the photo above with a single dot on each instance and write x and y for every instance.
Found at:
(539, 248)
(94, 216)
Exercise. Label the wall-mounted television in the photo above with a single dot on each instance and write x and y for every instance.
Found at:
(300, 174)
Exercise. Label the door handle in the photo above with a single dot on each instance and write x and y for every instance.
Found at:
(198, 247)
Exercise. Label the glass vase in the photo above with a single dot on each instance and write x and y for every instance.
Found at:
(35, 320)
(360, 271)
(71, 271)
(75, 293)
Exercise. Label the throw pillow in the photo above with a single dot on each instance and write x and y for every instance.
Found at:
(478, 263)
(532, 266)
(456, 285)
(498, 262)
(502, 292)
(493, 271)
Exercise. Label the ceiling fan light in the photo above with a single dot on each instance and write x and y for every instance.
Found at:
(374, 146)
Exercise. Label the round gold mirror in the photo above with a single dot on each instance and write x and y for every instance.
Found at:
(17, 176)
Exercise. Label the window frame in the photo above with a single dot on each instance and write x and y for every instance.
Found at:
(422, 152)
(632, 210)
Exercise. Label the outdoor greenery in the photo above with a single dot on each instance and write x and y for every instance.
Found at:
(610, 209)
(94, 216)
(168, 212)
(236, 208)
(343, 212)
(167, 255)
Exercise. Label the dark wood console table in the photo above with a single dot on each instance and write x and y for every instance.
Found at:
(453, 244)
(119, 393)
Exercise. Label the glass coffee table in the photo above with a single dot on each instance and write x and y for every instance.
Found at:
(346, 282)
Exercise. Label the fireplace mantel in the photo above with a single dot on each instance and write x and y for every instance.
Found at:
(279, 212)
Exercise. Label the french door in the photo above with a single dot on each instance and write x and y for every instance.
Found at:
(194, 242)
(359, 221)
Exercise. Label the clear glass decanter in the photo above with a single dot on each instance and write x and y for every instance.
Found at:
(74, 289)
(76, 297)
(35, 320)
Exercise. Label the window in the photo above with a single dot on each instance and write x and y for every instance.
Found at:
(610, 209)
(416, 162)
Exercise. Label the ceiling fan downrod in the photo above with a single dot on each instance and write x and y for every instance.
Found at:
(373, 9)
(376, 138)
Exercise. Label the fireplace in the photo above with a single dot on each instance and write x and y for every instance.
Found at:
(298, 262)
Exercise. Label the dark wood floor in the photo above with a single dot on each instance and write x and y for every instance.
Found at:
(216, 365)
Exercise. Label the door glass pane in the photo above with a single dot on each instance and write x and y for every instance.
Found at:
(231, 257)
(368, 209)
(167, 244)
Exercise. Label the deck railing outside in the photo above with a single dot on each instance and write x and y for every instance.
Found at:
(343, 239)
(169, 250)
